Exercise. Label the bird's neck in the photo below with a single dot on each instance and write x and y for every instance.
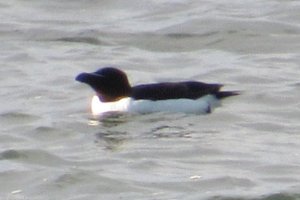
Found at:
(105, 98)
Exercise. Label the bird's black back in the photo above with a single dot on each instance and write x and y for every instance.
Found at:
(169, 90)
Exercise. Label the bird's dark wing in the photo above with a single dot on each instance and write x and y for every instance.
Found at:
(169, 90)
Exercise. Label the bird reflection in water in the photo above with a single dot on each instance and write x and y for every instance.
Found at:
(108, 138)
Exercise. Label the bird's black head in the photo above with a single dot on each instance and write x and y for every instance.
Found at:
(110, 83)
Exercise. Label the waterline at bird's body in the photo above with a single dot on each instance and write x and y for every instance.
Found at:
(202, 105)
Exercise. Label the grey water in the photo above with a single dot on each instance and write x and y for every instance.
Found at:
(51, 147)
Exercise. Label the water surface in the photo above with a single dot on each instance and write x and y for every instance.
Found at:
(51, 148)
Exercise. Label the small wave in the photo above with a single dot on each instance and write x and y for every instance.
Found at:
(279, 196)
(87, 40)
(17, 117)
(32, 156)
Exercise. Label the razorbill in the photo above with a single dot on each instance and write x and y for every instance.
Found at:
(114, 94)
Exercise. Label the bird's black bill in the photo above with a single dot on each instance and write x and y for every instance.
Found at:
(88, 77)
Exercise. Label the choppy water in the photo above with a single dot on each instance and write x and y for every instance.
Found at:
(50, 148)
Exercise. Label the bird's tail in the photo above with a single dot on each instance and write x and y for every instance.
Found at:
(225, 94)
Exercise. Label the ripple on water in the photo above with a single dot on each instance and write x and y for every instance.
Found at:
(277, 196)
(87, 40)
(47, 133)
(32, 156)
(17, 118)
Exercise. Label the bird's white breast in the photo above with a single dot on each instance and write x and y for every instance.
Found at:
(198, 106)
